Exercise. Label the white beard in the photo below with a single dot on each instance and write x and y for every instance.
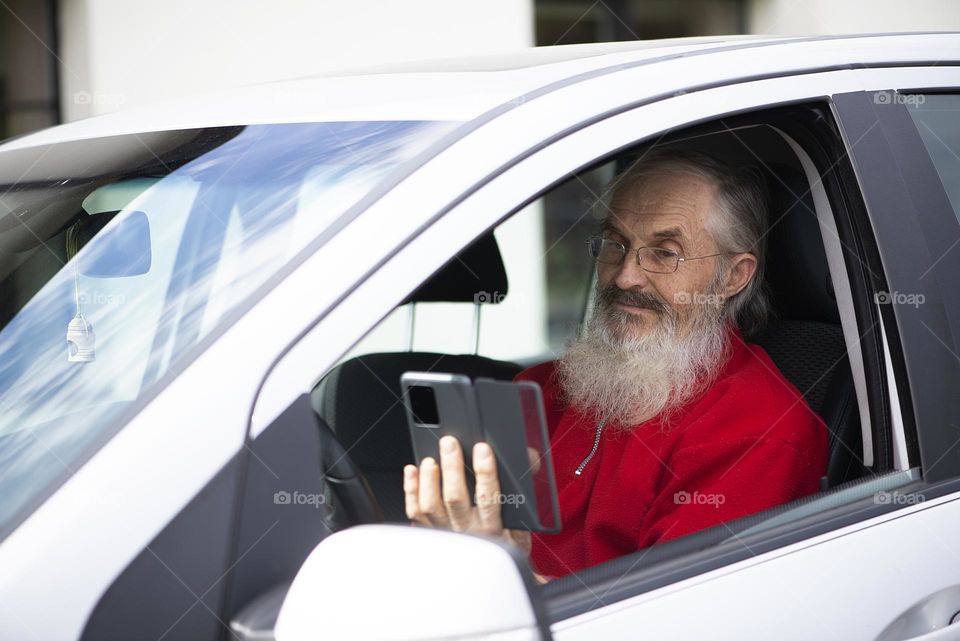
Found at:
(608, 372)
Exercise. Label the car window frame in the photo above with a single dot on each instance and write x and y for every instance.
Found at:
(719, 546)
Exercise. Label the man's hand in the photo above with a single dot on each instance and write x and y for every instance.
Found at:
(437, 495)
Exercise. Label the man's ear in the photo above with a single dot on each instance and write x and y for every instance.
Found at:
(740, 272)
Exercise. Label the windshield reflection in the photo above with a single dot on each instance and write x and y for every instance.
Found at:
(222, 211)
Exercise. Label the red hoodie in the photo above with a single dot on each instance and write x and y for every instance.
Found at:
(748, 443)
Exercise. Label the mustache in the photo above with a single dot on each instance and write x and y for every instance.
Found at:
(611, 295)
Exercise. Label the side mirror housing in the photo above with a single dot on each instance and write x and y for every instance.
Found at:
(394, 582)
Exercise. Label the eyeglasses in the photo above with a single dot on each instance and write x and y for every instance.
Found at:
(656, 260)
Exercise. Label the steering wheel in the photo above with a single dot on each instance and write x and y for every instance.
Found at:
(348, 497)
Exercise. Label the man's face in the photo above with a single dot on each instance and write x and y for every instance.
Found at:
(668, 210)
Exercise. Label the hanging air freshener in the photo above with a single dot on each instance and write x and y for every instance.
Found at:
(81, 340)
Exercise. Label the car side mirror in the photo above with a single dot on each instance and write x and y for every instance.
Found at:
(396, 582)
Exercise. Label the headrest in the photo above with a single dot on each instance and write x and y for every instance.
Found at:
(475, 275)
(796, 270)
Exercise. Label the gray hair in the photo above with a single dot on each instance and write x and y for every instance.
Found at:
(740, 225)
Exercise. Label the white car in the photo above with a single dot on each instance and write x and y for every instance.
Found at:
(188, 410)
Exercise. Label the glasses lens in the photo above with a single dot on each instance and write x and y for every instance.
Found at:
(658, 260)
(606, 251)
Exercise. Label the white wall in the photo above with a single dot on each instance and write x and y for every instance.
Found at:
(122, 53)
(799, 17)
(119, 53)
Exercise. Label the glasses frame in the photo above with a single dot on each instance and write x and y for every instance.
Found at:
(627, 250)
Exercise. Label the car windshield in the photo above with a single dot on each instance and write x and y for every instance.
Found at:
(119, 254)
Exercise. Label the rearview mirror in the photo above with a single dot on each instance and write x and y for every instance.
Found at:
(394, 582)
(118, 251)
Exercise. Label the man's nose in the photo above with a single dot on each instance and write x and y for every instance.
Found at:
(631, 274)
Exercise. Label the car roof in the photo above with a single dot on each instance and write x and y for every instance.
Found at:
(461, 89)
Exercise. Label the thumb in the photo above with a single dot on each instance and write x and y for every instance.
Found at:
(520, 538)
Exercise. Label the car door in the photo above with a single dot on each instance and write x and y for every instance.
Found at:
(838, 568)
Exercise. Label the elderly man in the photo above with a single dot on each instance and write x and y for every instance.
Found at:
(662, 420)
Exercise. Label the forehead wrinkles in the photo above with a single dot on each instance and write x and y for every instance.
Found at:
(644, 225)
(637, 201)
(662, 201)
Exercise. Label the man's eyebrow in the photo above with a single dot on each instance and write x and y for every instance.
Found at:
(672, 232)
(607, 225)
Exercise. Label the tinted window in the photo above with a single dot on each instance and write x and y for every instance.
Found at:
(938, 120)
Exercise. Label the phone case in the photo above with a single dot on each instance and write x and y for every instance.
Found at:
(514, 424)
(510, 417)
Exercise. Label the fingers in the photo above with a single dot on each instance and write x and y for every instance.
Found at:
(428, 494)
(456, 498)
(488, 489)
(536, 461)
(411, 499)
(437, 495)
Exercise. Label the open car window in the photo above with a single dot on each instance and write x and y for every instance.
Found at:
(544, 251)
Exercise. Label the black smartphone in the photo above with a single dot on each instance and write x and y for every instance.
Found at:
(508, 416)
(439, 405)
